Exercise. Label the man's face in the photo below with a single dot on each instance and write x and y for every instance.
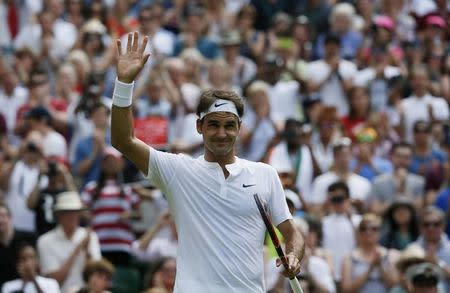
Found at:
(342, 158)
(401, 157)
(339, 201)
(39, 86)
(219, 130)
(432, 227)
(419, 82)
(331, 49)
(27, 264)
(100, 281)
(5, 220)
(69, 219)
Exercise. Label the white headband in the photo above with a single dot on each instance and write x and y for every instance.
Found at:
(221, 105)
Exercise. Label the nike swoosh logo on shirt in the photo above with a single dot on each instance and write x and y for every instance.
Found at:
(218, 105)
(245, 185)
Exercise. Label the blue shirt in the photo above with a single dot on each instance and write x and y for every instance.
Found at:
(350, 43)
(382, 166)
(208, 48)
(418, 161)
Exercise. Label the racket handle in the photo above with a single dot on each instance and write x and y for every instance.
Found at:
(295, 285)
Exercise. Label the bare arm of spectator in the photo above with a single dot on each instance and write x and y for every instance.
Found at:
(352, 284)
(61, 274)
(162, 221)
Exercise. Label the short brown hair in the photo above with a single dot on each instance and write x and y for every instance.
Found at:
(210, 96)
(99, 266)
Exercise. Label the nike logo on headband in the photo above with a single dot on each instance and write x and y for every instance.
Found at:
(218, 105)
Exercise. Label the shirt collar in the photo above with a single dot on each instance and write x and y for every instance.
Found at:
(234, 168)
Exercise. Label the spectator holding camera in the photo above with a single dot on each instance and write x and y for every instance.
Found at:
(54, 178)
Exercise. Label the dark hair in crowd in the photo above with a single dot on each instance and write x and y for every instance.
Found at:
(339, 185)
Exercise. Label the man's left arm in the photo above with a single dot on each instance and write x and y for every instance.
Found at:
(294, 247)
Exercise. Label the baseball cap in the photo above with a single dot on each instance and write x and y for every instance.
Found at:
(384, 21)
(435, 20)
(38, 113)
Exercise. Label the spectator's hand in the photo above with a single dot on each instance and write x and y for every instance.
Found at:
(293, 265)
(164, 219)
(262, 111)
(130, 63)
(376, 260)
(84, 244)
(334, 64)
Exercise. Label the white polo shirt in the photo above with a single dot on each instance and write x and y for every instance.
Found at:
(220, 230)
(47, 285)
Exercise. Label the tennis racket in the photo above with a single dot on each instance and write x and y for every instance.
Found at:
(295, 284)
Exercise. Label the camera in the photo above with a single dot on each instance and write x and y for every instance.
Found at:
(52, 169)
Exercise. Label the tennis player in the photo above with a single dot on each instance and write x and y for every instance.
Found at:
(220, 230)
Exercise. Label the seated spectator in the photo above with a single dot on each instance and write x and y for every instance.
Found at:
(338, 226)
(443, 198)
(64, 251)
(341, 23)
(257, 129)
(359, 112)
(424, 278)
(359, 186)
(155, 244)
(400, 182)
(162, 277)
(314, 240)
(370, 267)
(366, 162)
(112, 206)
(97, 276)
(400, 224)
(54, 178)
(427, 162)
(29, 281)
(89, 150)
(433, 239)
(10, 241)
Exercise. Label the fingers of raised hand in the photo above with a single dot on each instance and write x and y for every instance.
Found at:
(129, 42)
(135, 41)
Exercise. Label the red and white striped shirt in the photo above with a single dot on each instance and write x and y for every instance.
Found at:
(114, 234)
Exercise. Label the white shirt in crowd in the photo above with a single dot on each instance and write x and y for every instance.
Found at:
(21, 183)
(11, 104)
(54, 249)
(331, 92)
(416, 108)
(54, 144)
(338, 238)
(157, 248)
(284, 101)
(46, 284)
(206, 206)
(358, 185)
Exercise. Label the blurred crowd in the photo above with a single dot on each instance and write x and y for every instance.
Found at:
(347, 100)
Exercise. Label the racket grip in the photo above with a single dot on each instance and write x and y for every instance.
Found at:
(295, 285)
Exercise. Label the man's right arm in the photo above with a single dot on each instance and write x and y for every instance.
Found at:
(129, 65)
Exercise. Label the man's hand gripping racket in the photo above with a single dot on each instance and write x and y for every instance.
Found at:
(295, 284)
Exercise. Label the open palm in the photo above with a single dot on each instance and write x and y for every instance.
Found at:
(131, 62)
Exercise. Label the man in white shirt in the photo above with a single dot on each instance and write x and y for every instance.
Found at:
(332, 76)
(219, 227)
(358, 185)
(421, 105)
(63, 251)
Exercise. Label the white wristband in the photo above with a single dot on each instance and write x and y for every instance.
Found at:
(123, 94)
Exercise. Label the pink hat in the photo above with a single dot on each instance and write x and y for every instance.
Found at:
(435, 20)
(384, 21)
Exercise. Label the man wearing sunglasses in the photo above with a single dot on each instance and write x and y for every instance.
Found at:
(434, 240)
(338, 228)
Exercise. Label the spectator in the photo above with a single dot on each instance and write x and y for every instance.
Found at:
(112, 206)
(400, 224)
(338, 226)
(64, 250)
(370, 267)
(341, 23)
(332, 76)
(162, 277)
(433, 239)
(54, 144)
(18, 180)
(367, 163)
(253, 41)
(258, 130)
(97, 276)
(10, 241)
(424, 278)
(387, 187)
(156, 244)
(359, 187)
(359, 112)
(421, 105)
(297, 156)
(28, 268)
(89, 150)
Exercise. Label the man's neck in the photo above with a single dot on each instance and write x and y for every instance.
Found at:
(420, 94)
(222, 161)
(68, 232)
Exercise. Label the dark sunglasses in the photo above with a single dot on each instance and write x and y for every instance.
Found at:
(338, 198)
(369, 228)
(434, 224)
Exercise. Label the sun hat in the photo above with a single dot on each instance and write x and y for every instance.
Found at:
(68, 201)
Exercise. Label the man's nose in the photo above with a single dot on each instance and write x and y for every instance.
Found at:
(221, 132)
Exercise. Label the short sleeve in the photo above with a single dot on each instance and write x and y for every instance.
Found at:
(279, 211)
(162, 167)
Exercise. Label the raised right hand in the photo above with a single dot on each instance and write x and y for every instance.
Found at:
(130, 63)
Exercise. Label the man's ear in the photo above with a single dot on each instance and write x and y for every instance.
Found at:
(199, 125)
